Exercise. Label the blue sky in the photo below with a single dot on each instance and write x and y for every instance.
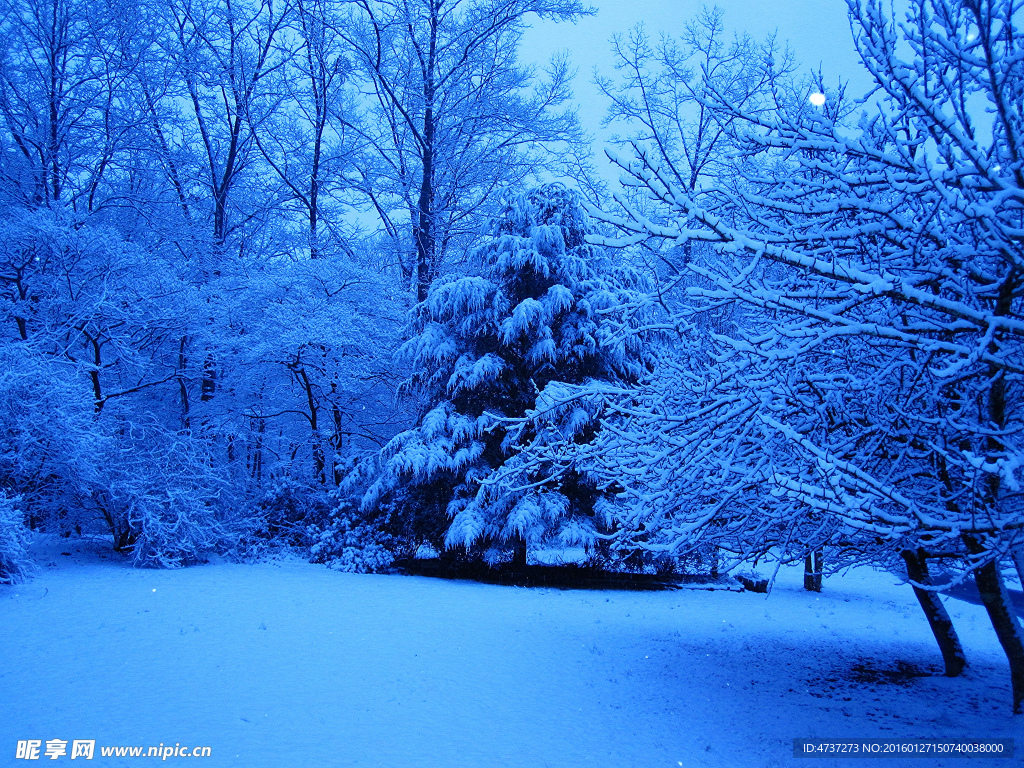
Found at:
(817, 32)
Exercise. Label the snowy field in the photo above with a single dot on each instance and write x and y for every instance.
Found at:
(290, 664)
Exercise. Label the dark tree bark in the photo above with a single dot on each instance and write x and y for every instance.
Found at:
(257, 452)
(1018, 562)
(208, 386)
(938, 619)
(424, 231)
(994, 598)
(990, 583)
(186, 420)
(519, 553)
(812, 570)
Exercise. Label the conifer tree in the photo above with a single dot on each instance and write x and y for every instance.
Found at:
(485, 349)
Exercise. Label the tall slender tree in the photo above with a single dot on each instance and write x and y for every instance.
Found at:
(452, 116)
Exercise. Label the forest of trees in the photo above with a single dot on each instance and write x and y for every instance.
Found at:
(340, 275)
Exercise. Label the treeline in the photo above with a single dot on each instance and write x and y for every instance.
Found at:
(216, 216)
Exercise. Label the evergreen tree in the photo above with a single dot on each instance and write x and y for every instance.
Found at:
(543, 312)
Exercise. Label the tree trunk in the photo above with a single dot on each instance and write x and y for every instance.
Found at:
(425, 235)
(186, 420)
(990, 583)
(319, 462)
(257, 453)
(1018, 560)
(337, 441)
(424, 232)
(519, 553)
(55, 104)
(314, 185)
(208, 385)
(812, 570)
(938, 619)
(994, 598)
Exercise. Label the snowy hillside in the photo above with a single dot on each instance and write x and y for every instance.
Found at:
(291, 664)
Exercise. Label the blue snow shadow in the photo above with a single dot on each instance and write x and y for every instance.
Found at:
(968, 592)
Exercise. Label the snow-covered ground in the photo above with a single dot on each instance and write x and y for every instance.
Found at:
(293, 665)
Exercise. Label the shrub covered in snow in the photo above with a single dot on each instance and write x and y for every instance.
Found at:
(48, 438)
(345, 538)
(163, 500)
(348, 541)
(14, 560)
(286, 510)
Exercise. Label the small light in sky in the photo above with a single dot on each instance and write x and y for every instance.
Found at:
(154, 590)
(972, 36)
(817, 99)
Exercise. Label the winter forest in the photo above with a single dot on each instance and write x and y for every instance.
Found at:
(346, 282)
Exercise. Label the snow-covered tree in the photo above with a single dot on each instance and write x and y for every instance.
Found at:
(485, 348)
(655, 96)
(307, 366)
(875, 387)
(90, 437)
(52, 98)
(47, 439)
(14, 560)
(452, 117)
(303, 141)
(175, 270)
